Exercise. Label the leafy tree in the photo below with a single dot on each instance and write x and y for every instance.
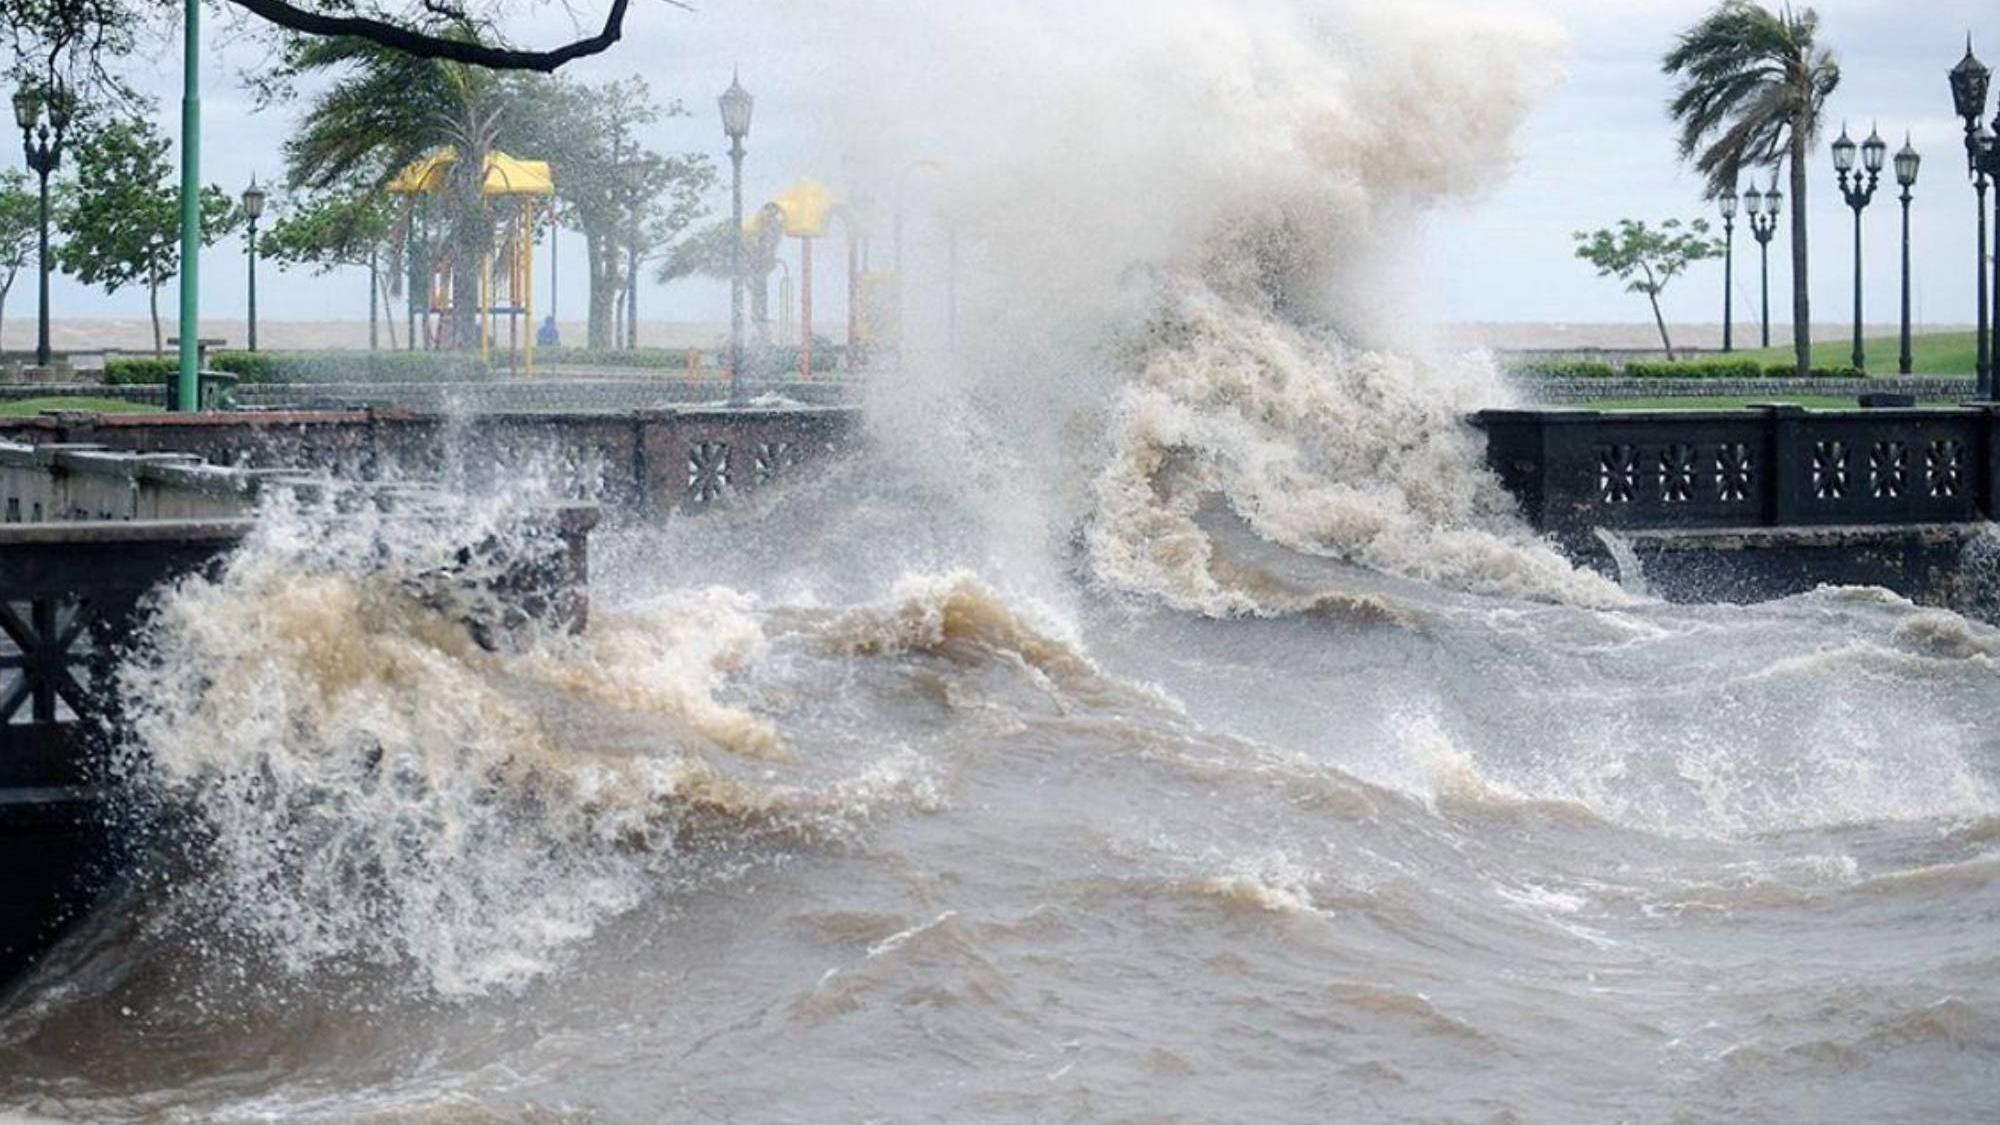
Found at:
(1646, 260)
(1753, 85)
(631, 204)
(20, 227)
(122, 225)
(331, 230)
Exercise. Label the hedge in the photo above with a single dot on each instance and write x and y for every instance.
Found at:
(1563, 369)
(349, 367)
(663, 359)
(1694, 369)
(148, 372)
(1791, 371)
(307, 367)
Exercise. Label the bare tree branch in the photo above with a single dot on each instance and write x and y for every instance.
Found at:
(417, 43)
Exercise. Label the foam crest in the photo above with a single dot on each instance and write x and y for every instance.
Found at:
(1322, 448)
(955, 613)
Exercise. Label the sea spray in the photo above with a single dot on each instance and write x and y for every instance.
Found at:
(373, 787)
(1185, 251)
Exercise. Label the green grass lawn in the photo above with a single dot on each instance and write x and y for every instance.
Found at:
(1810, 402)
(30, 406)
(1936, 353)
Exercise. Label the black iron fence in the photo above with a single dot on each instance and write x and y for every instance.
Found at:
(1773, 466)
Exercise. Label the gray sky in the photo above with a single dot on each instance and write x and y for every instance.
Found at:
(1599, 148)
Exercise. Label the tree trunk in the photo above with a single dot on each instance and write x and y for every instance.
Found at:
(4, 290)
(603, 268)
(382, 291)
(1665, 341)
(1801, 279)
(153, 300)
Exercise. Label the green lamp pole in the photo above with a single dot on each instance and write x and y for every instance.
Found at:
(187, 388)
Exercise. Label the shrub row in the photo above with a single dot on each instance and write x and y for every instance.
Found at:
(307, 367)
(1563, 369)
(1714, 368)
(349, 367)
(1694, 369)
(663, 359)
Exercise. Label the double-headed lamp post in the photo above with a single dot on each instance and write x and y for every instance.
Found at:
(1729, 202)
(42, 142)
(1874, 154)
(1969, 80)
(253, 206)
(1907, 163)
(736, 104)
(1763, 207)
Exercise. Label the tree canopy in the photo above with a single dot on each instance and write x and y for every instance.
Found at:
(19, 225)
(1648, 259)
(122, 225)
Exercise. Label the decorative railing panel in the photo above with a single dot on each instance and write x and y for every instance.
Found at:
(68, 594)
(1574, 471)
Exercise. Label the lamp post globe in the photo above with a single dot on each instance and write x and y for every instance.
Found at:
(1843, 152)
(253, 206)
(41, 146)
(736, 105)
(1874, 152)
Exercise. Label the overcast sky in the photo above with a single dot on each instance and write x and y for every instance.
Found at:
(1598, 148)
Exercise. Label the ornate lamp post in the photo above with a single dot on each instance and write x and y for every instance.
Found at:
(1969, 80)
(1764, 208)
(1729, 204)
(1874, 153)
(1907, 163)
(42, 142)
(253, 206)
(736, 104)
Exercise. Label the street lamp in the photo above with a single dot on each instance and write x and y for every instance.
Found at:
(1907, 163)
(1874, 153)
(1969, 80)
(736, 104)
(1729, 203)
(42, 142)
(253, 206)
(1763, 225)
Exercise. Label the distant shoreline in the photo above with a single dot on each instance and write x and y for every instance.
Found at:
(128, 334)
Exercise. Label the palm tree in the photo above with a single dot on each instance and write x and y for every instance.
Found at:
(1753, 83)
(388, 109)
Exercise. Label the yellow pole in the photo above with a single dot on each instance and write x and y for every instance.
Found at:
(525, 275)
(485, 308)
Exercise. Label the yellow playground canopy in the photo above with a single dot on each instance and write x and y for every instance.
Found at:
(807, 206)
(505, 175)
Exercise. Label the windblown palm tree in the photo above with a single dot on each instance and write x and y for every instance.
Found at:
(387, 110)
(1753, 83)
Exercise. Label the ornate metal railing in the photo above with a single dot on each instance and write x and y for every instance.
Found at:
(1776, 466)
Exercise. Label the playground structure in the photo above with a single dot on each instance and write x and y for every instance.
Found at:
(506, 274)
(806, 211)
